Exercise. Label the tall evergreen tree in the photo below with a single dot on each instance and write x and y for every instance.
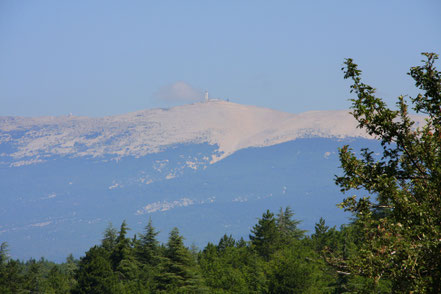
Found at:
(178, 273)
(3, 253)
(58, 282)
(265, 235)
(147, 247)
(109, 240)
(33, 276)
(11, 279)
(95, 274)
(226, 242)
(121, 248)
(288, 226)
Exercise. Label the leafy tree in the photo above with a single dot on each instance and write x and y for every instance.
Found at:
(401, 224)
(296, 269)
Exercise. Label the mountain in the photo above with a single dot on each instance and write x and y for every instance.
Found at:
(228, 125)
(208, 168)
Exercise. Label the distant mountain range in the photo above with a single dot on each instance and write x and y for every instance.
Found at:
(208, 168)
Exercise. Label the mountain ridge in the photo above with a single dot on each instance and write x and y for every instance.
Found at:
(228, 125)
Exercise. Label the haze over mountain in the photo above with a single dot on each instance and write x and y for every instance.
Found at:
(197, 166)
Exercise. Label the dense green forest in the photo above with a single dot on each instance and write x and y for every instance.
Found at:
(392, 245)
(279, 258)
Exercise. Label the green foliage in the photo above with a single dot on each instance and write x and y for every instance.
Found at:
(11, 277)
(95, 274)
(400, 222)
(178, 272)
(3, 253)
(141, 265)
(57, 282)
(232, 269)
(147, 248)
(265, 236)
(296, 269)
(109, 240)
(287, 226)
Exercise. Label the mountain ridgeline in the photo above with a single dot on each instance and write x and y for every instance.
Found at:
(208, 168)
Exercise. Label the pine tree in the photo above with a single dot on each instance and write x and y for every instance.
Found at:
(33, 278)
(226, 242)
(109, 240)
(324, 237)
(58, 282)
(287, 226)
(11, 278)
(3, 253)
(95, 274)
(147, 248)
(121, 246)
(178, 272)
(265, 235)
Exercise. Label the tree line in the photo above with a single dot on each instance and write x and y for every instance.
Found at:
(278, 258)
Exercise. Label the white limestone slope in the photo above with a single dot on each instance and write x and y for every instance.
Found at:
(229, 125)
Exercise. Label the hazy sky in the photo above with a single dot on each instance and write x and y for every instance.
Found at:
(107, 57)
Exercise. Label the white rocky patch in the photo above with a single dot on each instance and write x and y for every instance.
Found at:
(165, 205)
(42, 224)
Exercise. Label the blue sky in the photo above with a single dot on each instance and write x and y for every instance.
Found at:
(99, 58)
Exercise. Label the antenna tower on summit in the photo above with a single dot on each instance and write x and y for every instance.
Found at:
(206, 96)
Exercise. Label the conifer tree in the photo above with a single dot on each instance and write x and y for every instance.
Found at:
(57, 281)
(265, 235)
(147, 247)
(11, 278)
(109, 240)
(33, 279)
(226, 242)
(95, 274)
(178, 273)
(287, 226)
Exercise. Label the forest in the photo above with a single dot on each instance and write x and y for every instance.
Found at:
(279, 258)
(391, 245)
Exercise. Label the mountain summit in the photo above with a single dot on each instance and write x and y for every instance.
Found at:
(228, 125)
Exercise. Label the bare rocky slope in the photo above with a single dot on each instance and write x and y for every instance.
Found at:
(228, 125)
